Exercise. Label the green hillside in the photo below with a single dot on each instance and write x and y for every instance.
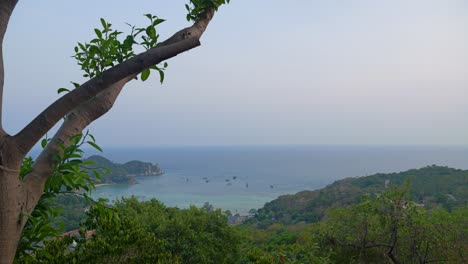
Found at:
(354, 220)
(431, 187)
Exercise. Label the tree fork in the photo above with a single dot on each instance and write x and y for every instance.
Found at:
(13, 200)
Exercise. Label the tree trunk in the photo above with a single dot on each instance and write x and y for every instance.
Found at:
(11, 189)
(15, 200)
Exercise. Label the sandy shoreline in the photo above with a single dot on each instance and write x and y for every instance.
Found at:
(113, 183)
(103, 184)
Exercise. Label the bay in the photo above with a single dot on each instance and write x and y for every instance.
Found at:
(239, 178)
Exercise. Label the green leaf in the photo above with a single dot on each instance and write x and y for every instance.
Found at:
(98, 33)
(82, 47)
(93, 50)
(103, 23)
(96, 174)
(94, 145)
(158, 21)
(151, 32)
(44, 142)
(145, 74)
(76, 138)
(61, 90)
(128, 42)
(67, 182)
(78, 156)
(161, 75)
(108, 63)
(89, 162)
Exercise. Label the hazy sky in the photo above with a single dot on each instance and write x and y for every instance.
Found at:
(268, 72)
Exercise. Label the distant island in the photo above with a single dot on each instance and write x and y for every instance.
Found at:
(116, 173)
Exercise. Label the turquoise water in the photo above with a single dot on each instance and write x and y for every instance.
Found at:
(241, 178)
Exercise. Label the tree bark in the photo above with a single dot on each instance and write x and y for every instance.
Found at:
(6, 9)
(12, 200)
(10, 190)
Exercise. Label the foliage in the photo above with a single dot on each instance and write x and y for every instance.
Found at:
(68, 177)
(393, 226)
(378, 226)
(432, 186)
(73, 208)
(384, 229)
(149, 232)
(108, 49)
(197, 8)
(280, 244)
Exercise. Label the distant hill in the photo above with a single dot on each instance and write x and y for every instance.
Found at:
(124, 173)
(431, 187)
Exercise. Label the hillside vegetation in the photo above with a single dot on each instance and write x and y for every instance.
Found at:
(387, 229)
(376, 219)
(431, 187)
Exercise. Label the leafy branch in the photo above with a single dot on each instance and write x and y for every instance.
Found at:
(197, 8)
(108, 48)
(69, 176)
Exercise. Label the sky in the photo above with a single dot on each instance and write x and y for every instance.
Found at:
(268, 72)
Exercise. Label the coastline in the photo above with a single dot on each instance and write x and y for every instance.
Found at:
(114, 183)
(132, 180)
(103, 184)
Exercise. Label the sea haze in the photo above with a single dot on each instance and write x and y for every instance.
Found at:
(241, 178)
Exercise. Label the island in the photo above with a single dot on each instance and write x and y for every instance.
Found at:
(116, 173)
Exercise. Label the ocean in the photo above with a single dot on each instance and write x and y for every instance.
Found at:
(243, 178)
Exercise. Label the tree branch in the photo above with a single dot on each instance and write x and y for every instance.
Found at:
(182, 41)
(40, 125)
(75, 122)
(6, 9)
(195, 31)
(394, 241)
